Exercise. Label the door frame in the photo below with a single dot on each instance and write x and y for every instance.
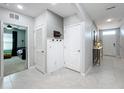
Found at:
(1, 44)
(82, 46)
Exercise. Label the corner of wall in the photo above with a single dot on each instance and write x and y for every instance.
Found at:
(89, 26)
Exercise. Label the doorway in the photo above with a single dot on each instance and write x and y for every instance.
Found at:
(14, 48)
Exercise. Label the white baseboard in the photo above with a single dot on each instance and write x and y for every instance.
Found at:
(83, 74)
(32, 67)
(89, 69)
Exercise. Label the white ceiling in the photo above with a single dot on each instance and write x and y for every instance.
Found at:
(97, 11)
(35, 9)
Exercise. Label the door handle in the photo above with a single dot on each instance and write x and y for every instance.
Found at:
(114, 44)
(78, 50)
(42, 51)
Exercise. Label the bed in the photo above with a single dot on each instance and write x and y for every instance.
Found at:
(7, 54)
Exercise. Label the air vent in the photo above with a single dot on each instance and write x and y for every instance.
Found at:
(110, 8)
(14, 16)
(11, 16)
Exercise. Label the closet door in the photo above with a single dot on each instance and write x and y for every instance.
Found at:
(72, 47)
(51, 57)
(55, 54)
(59, 54)
(40, 50)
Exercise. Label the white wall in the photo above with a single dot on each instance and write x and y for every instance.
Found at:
(122, 40)
(89, 28)
(51, 20)
(71, 20)
(23, 21)
(55, 59)
(54, 22)
(41, 20)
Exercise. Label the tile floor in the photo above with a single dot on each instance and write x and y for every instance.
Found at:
(109, 75)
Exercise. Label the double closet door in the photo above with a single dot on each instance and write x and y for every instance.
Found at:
(55, 59)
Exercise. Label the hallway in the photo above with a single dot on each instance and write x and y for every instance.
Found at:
(107, 76)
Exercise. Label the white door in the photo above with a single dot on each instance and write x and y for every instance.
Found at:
(59, 54)
(109, 42)
(72, 47)
(40, 52)
(55, 59)
(51, 57)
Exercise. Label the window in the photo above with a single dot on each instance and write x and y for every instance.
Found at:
(113, 32)
(7, 41)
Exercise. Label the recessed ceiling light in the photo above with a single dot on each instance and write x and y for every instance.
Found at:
(53, 3)
(109, 20)
(20, 7)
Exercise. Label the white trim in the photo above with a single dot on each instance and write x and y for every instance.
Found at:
(1, 44)
(73, 25)
(89, 69)
(27, 52)
(83, 48)
(85, 73)
(39, 26)
(32, 67)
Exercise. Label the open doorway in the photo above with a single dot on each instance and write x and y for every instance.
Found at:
(14, 48)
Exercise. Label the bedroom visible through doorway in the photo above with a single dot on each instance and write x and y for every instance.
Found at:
(14, 48)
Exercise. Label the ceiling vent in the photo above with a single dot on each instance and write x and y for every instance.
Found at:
(14, 16)
(11, 15)
(110, 8)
